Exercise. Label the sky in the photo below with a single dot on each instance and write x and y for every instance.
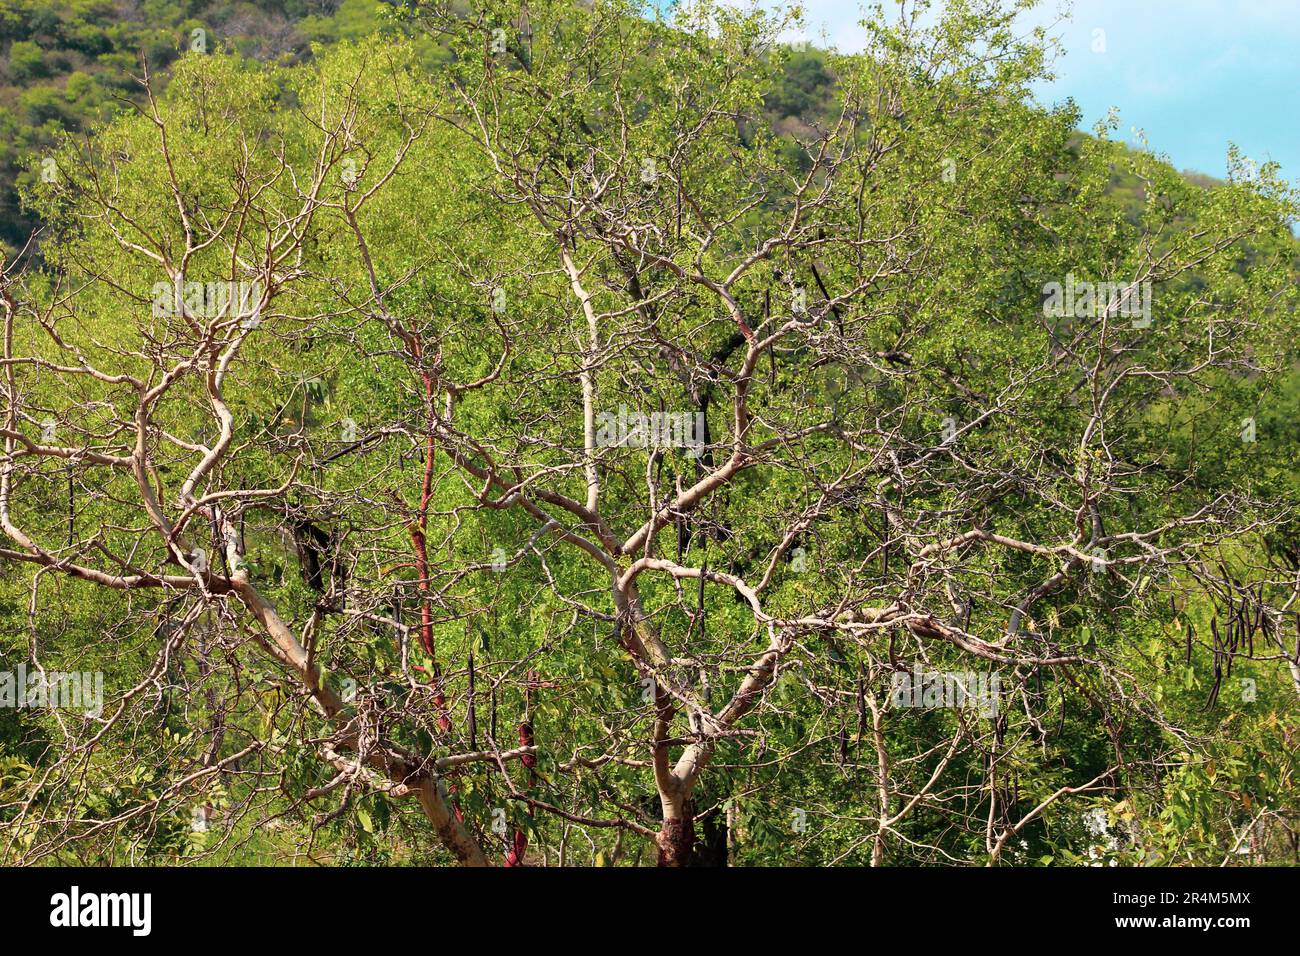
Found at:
(1194, 75)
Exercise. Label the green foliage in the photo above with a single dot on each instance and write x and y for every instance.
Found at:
(965, 202)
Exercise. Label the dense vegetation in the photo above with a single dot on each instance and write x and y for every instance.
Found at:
(317, 401)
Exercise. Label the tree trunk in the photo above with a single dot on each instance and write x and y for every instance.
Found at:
(676, 839)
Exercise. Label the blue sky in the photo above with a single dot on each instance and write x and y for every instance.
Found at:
(1193, 74)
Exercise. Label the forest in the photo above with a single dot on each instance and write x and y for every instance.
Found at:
(603, 433)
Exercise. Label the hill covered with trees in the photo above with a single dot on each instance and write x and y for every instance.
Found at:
(567, 434)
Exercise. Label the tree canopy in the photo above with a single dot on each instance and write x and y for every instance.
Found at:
(575, 434)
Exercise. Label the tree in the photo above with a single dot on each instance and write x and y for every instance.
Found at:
(552, 384)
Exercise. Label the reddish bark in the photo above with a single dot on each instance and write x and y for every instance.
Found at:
(419, 542)
(519, 839)
(676, 840)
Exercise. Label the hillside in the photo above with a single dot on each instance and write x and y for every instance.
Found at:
(559, 435)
